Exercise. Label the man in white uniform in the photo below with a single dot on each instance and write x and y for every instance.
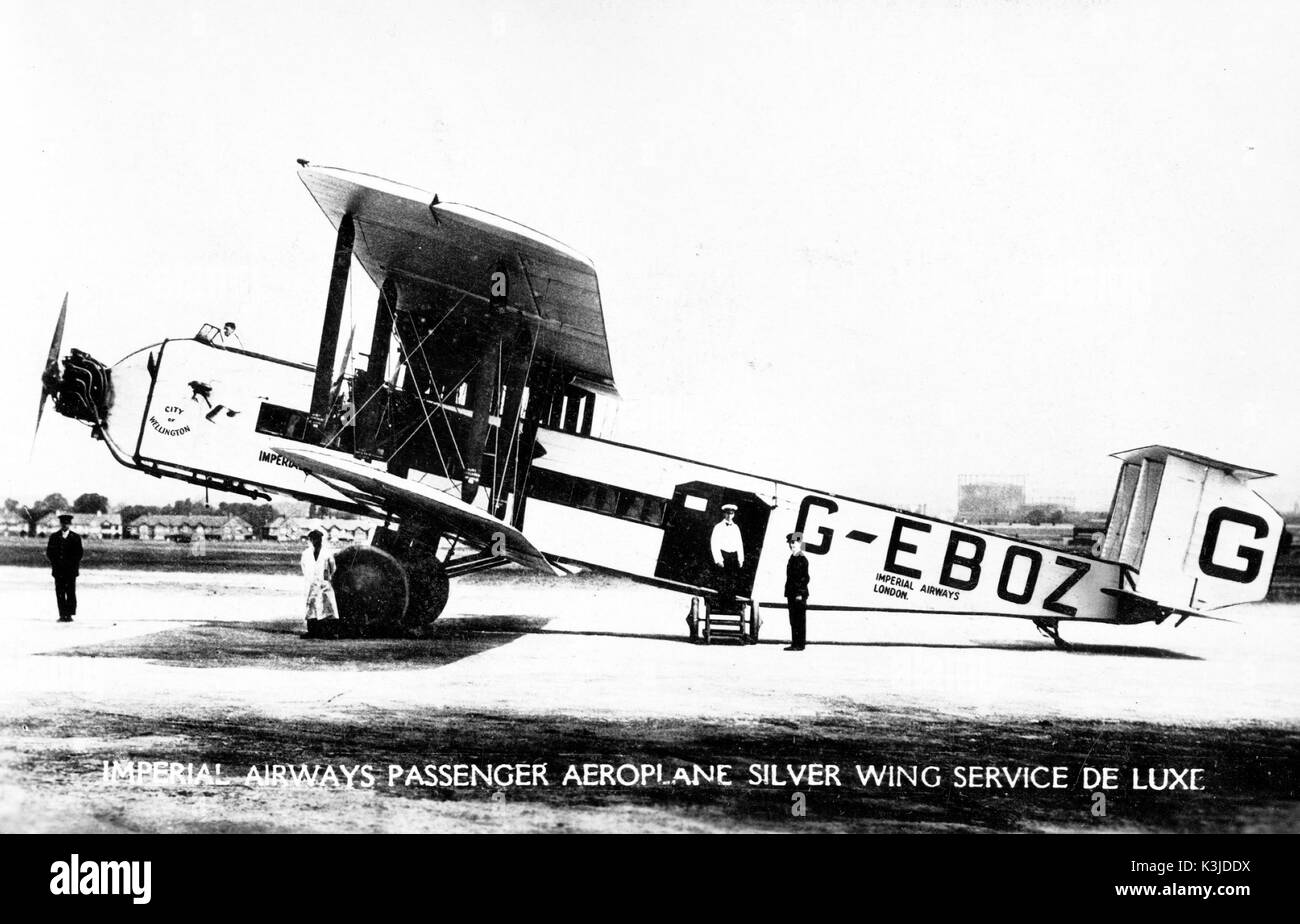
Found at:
(728, 554)
(317, 572)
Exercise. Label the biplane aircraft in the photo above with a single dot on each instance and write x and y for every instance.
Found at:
(477, 430)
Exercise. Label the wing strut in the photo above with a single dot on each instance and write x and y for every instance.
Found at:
(329, 334)
(485, 398)
(513, 412)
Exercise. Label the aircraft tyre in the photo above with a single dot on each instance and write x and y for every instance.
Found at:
(429, 589)
(371, 589)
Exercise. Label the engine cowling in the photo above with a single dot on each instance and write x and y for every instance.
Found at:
(85, 389)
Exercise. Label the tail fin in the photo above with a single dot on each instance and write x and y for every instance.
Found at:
(1193, 533)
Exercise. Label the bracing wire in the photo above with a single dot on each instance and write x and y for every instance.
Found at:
(514, 426)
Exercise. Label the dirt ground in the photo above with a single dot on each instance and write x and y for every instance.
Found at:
(196, 669)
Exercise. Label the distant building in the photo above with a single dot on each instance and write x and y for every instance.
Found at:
(87, 525)
(985, 500)
(181, 527)
(13, 524)
(336, 529)
(283, 529)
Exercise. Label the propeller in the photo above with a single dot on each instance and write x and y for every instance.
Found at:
(50, 375)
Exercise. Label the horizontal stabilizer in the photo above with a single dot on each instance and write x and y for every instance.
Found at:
(377, 487)
(1132, 608)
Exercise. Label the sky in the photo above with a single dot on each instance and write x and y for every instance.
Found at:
(869, 247)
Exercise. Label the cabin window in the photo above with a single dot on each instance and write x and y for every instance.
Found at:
(558, 488)
(572, 410)
(630, 505)
(551, 487)
(282, 421)
(606, 499)
(694, 502)
(598, 497)
(653, 512)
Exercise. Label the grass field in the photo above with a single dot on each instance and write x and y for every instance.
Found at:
(133, 555)
(1286, 580)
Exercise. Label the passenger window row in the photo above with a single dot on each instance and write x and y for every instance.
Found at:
(558, 488)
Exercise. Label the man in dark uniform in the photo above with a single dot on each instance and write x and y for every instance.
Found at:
(64, 553)
(796, 591)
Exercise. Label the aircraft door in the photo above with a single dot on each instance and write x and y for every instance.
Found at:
(686, 556)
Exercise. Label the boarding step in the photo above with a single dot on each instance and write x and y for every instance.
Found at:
(741, 623)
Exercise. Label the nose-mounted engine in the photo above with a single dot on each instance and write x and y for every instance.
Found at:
(84, 391)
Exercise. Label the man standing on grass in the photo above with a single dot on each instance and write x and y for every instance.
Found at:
(318, 574)
(796, 591)
(64, 552)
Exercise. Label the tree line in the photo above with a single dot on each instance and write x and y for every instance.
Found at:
(259, 516)
(52, 503)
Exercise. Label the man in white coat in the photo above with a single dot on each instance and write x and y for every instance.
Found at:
(317, 573)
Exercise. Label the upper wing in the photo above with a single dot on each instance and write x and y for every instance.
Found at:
(399, 232)
(378, 488)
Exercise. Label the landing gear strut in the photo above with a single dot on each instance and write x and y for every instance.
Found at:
(1049, 628)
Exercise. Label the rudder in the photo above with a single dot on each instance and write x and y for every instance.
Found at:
(1191, 531)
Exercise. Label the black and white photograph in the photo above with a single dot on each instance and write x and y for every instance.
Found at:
(690, 417)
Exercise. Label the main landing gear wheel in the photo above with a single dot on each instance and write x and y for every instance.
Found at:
(429, 589)
(371, 589)
(1049, 628)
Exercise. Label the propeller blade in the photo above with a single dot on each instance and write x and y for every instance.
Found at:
(57, 342)
(51, 363)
